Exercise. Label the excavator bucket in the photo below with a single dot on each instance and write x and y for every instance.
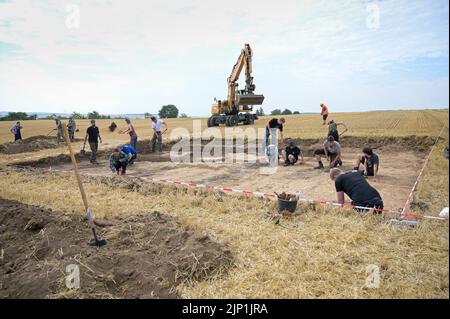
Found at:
(250, 99)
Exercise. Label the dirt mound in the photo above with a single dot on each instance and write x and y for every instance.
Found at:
(146, 256)
(419, 144)
(31, 144)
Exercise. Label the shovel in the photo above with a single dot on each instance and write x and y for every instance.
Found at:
(90, 217)
(50, 132)
(83, 152)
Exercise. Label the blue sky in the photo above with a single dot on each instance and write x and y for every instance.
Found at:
(134, 56)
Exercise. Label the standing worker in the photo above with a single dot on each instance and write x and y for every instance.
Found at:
(324, 113)
(130, 130)
(157, 134)
(357, 188)
(16, 130)
(271, 131)
(333, 129)
(71, 127)
(93, 136)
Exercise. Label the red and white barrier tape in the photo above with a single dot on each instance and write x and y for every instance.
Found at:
(269, 195)
(414, 188)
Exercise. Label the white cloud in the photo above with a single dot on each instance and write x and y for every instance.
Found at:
(133, 56)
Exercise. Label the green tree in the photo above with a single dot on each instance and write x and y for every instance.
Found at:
(147, 115)
(168, 111)
(17, 116)
(183, 116)
(296, 113)
(286, 112)
(276, 112)
(95, 115)
(78, 116)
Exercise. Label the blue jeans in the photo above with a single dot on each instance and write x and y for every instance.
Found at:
(133, 141)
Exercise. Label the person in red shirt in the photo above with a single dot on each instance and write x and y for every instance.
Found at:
(324, 113)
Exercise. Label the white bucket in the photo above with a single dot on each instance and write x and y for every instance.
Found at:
(444, 213)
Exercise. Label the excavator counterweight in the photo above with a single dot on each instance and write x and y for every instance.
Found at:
(238, 106)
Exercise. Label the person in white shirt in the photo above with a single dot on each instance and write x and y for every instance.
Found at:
(157, 134)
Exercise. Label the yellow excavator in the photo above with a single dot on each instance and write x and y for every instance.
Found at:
(238, 106)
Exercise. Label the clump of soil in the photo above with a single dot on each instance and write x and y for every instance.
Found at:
(31, 144)
(146, 255)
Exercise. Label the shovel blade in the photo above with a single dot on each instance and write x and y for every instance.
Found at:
(98, 243)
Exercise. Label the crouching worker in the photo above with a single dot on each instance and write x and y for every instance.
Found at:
(357, 188)
(370, 161)
(118, 162)
(131, 152)
(291, 154)
(331, 150)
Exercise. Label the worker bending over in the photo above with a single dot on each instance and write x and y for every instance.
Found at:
(370, 161)
(131, 153)
(157, 134)
(291, 154)
(271, 132)
(118, 162)
(357, 188)
(331, 150)
(333, 129)
(324, 113)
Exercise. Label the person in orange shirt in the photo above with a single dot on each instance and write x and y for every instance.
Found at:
(324, 113)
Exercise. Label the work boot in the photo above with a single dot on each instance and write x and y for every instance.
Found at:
(320, 166)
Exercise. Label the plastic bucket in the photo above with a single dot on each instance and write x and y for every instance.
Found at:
(285, 205)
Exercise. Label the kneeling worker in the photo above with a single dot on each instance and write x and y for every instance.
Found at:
(291, 154)
(131, 152)
(118, 162)
(357, 188)
(371, 162)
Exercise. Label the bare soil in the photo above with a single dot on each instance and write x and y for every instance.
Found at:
(400, 161)
(146, 256)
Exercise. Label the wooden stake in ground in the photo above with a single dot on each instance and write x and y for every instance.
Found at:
(89, 214)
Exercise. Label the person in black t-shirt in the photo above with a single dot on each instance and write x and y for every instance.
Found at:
(93, 136)
(271, 132)
(357, 188)
(371, 163)
(291, 154)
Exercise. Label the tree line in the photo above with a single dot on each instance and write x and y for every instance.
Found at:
(166, 111)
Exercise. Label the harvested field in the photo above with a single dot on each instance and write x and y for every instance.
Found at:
(147, 255)
(321, 253)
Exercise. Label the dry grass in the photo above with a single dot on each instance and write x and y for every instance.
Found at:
(433, 190)
(320, 254)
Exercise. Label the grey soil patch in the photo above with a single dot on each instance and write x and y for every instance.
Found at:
(147, 255)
